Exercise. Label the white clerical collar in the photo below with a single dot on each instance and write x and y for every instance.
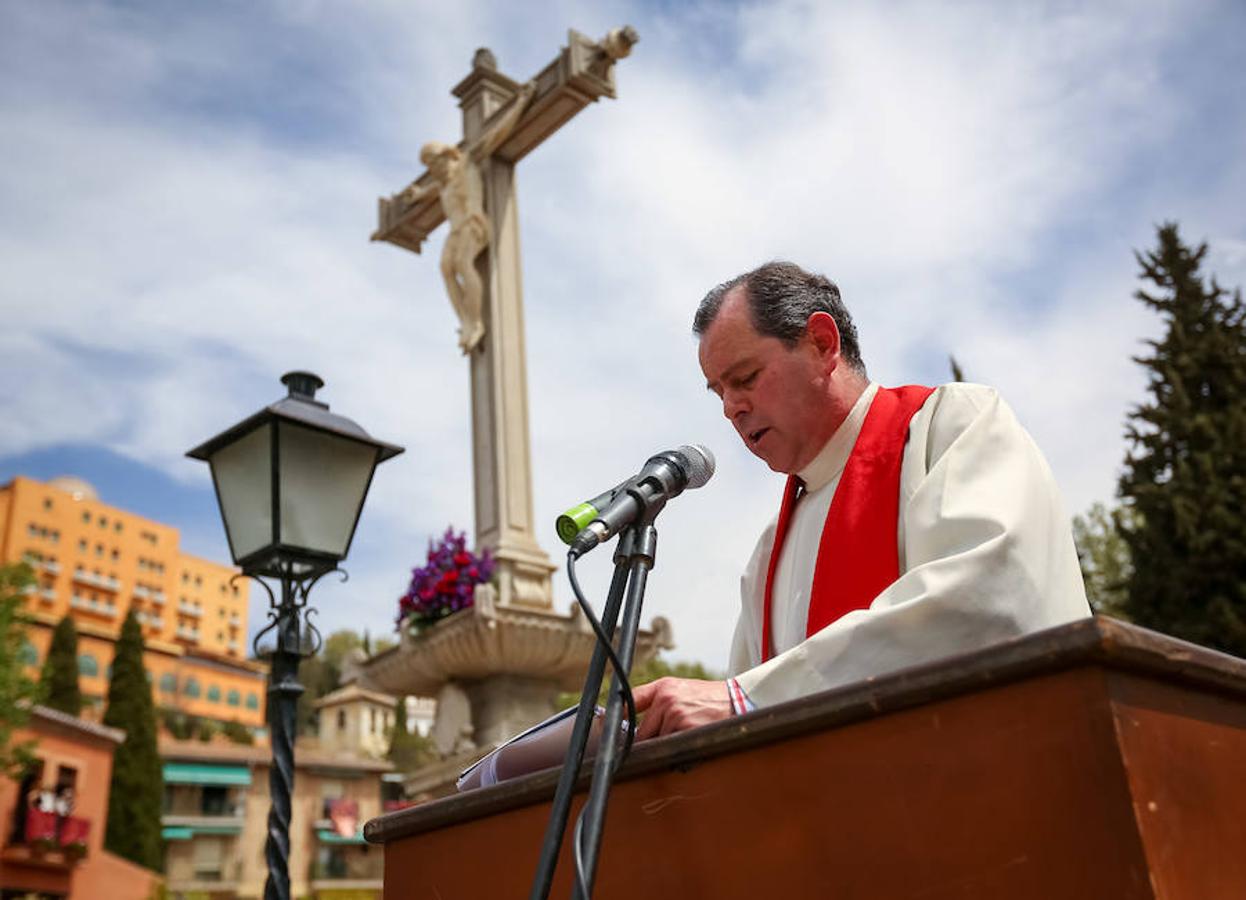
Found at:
(833, 456)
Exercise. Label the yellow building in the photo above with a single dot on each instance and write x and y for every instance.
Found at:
(96, 562)
(216, 813)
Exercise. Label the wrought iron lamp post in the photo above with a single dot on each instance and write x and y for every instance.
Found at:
(290, 481)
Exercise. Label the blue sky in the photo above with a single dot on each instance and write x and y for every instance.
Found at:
(186, 193)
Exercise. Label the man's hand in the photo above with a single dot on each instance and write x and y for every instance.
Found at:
(677, 704)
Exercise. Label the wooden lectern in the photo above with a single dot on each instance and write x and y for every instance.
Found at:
(1094, 760)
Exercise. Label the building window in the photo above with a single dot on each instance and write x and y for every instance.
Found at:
(253, 701)
(168, 683)
(191, 688)
(117, 527)
(88, 665)
(47, 502)
(86, 516)
(82, 546)
(28, 655)
(233, 698)
(214, 694)
(341, 720)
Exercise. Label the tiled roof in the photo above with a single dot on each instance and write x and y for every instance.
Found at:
(116, 735)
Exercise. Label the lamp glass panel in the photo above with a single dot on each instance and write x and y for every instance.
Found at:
(324, 478)
(243, 472)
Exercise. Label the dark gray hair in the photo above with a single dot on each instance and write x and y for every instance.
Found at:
(781, 298)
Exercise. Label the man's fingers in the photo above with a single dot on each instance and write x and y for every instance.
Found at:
(643, 695)
(651, 724)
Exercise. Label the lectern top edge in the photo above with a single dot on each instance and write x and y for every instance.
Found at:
(1096, 641)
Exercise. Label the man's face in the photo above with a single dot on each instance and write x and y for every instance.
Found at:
(775, 395)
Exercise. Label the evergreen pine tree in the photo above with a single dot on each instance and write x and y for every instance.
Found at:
(408, 750)
(60, 670)
(1185, 471)
(137, 790)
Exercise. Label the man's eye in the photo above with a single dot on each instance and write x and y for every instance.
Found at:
(747, 380)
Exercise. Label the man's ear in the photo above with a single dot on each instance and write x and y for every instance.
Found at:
(824, 333)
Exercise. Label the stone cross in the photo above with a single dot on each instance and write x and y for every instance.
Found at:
(472, 185)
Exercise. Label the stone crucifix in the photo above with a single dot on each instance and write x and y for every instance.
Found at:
(472, 187)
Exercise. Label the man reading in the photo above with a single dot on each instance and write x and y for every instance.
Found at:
(916, 523)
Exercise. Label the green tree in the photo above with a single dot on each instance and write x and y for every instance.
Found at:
(17, 690)
(321, 674)
(958, 374)
(137, 791)
(644, 673)
(1185, 471)
(408, 750)
(60, 669)
(1104, 557)
(238, 733)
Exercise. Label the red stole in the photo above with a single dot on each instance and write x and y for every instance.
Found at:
(858, 556)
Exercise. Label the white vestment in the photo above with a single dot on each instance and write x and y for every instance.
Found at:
(986, 554)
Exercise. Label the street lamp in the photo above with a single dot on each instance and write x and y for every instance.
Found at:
(290, 481)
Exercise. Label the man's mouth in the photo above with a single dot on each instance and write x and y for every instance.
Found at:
(755, 436)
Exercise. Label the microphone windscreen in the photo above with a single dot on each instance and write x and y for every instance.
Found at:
(700, 463)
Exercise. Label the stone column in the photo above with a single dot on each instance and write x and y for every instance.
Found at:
(499, 372)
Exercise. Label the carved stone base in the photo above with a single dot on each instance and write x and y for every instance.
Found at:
(523, 577)
(495, 670)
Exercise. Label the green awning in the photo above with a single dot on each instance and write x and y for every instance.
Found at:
(200, 773)
(332, 837)
(186, 832)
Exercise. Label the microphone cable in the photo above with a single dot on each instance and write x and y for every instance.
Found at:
(625, 688)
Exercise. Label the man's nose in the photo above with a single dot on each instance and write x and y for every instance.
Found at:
(734, 403)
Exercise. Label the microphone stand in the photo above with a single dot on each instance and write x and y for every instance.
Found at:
(633, 558)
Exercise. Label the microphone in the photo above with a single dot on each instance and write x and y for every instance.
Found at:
(665, 475)
(575, 519)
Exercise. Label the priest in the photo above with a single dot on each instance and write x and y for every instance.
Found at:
(916, 523)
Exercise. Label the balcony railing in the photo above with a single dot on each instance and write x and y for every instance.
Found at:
(141, 592)
(230, 816)
(47, 831)
(190, 634)
(149, 619)
(94, 606)
(107, 582)
(187, 610)
(51, 565)
(48, 593)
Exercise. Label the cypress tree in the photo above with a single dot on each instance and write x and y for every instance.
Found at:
(408, 750)
(60, 670)
(1185, 472)
(137, 790)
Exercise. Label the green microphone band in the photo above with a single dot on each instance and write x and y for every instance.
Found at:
(574, 520)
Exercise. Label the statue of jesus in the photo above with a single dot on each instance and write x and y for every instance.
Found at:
(459, 186)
